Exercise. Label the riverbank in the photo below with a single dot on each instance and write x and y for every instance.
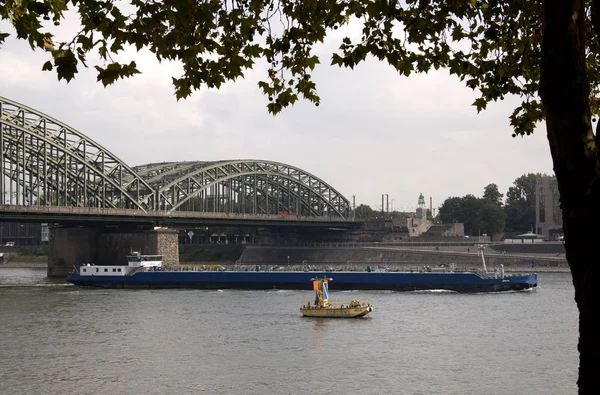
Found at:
(24, 261)
(24, 265)
(336, 258)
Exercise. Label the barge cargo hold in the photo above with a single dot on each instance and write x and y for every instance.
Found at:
(145, 271)
(394, 281)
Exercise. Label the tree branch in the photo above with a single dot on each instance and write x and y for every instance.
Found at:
(596, 26)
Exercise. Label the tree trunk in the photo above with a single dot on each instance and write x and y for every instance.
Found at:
(565, 96)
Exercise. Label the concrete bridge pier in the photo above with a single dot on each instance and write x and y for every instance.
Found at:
(102, 246)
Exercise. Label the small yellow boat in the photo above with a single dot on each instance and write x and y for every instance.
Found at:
(323, 308)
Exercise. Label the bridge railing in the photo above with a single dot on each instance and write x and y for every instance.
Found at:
(93, 211)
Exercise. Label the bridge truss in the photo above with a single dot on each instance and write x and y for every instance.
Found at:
(242, 186)
(45, 162)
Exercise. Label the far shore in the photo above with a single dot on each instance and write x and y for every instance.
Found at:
(24, 265)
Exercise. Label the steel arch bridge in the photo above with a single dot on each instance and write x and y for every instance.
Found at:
(45, 162)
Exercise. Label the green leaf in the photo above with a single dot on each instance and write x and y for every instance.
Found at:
(66, 64)
(312, 62)
(457, 33)
(336, 60)
(182, 88)
(47, 66)
(3, 37)
(480, 103)
(252, 51)
(114, 71)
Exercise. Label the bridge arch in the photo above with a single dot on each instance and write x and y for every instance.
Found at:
(243, 186)
(46, 162)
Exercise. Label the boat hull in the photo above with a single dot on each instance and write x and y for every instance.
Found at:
(336, 312)
(394, 281)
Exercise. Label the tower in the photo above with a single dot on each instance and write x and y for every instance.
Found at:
(421, 210)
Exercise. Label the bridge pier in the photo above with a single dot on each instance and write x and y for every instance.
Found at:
(66, 246)
(102, 246)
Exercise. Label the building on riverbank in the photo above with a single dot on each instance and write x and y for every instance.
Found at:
(548, 216)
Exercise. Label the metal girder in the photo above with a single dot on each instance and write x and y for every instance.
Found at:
(45, 162)
(67, 167)
(250, 186)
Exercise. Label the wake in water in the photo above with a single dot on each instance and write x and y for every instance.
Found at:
(433, 291)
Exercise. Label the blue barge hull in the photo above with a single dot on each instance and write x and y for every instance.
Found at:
(394, 281)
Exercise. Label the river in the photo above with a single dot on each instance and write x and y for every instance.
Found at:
(56, 338)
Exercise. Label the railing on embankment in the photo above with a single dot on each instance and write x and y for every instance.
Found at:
(386, 255)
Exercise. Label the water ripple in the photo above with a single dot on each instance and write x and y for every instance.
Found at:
(58, 339)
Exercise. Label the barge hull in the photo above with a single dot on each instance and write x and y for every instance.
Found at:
(392, 281)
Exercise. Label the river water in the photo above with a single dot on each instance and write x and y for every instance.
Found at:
(56, 338)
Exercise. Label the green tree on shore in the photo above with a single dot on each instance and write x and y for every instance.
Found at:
(491, 218)
(365, 212)
(520, 204)
(479, 215)
(492, 193)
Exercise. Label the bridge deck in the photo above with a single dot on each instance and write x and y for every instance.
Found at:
(84, 215)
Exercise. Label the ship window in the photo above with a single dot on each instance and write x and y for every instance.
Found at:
(105, 270)
(97, 270)
(114, 270)
(119, 269)
(85, 270)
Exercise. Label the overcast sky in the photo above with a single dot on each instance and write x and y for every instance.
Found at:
(374, 132)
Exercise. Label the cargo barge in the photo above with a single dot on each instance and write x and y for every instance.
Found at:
(145, 271)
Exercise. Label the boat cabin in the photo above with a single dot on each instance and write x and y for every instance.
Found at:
(139, 260)
(89, 269)
(135, 262)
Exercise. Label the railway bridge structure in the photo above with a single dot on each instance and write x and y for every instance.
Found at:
(50, 172)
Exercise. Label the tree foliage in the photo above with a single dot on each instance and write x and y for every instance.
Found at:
(493, 46)
(479, 215)
(451, 211)
(518, 215)
(468, 210)
(365, 212)
(491, 217)
(523, 188)
(492, 193)
(520, 203)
